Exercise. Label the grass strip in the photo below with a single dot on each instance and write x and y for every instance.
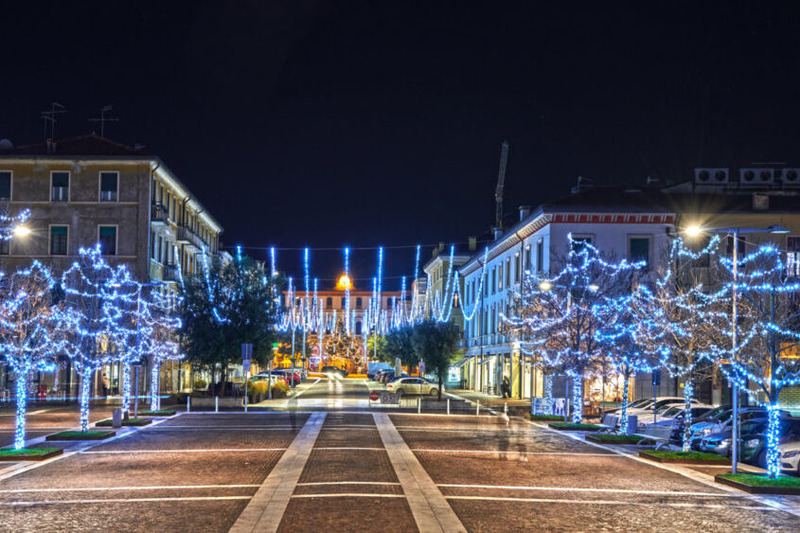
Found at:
(566, 426)
(81, 435)
(27, 452)
(690, 456)
(608, 438)
(129, 422)
(761, 480)
(547, 418)
(159, 412)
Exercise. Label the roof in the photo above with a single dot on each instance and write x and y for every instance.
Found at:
(87, 145)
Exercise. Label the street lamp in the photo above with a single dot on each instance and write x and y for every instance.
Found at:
(694, 231)
(21, 230)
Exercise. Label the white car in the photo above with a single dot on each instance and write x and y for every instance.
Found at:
(670, 411)
(412, 385)
(648, 410)
(790, 457)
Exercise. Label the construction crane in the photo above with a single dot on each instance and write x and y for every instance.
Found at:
(501, 181)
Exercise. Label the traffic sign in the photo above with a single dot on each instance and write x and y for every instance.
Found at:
(374, 395)
(247, 352)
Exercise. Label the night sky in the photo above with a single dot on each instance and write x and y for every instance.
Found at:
(319, 123)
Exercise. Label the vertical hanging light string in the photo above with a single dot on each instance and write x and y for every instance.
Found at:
(347, 289)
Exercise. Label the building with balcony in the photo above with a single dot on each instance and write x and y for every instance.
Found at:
(89, 189)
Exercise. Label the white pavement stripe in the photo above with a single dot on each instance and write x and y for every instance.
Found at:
(615, 502)
(266, 509)
(198, 450)
(586, 489)
(314, 483)
(431, 511)
(220, 428)
(347, 448)
(498, 452)
(125, 500)
(350, 495)
(104, 489)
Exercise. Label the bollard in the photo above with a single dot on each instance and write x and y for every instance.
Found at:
(478, 408)
(419, 406)
(216, 404)
(505, 408)
(448, 406)
(188, 403)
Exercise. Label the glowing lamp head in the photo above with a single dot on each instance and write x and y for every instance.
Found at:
(22, 231)
(545, 285)
(693, 231)
(344, 283)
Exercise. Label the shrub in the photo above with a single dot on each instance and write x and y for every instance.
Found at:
(280, 389)
(200, 384)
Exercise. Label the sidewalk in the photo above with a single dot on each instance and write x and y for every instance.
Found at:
(515, 406)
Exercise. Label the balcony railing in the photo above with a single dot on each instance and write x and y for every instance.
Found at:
(170, 273)
(159, 214)
(187, 236)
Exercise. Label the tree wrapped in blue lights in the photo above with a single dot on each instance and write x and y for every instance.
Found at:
(681, 314)
(125, 338)
(558, 315)
(90, 318)
(27, 323)
(763, 361)
(159, 324)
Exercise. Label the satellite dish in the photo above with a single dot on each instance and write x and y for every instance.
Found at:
(6, 144)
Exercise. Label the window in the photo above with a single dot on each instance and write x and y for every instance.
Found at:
(344, 304)
(358, 328)
(508, 272)
(740, 246)
(579, 243)
(5, 185)
(793, 256)
(58, 240)
(517, 267)
(109, 184)
(4, 246)
(639, 250)
(539, 255)
(108, 240)
(358, 303)
(60, 186)
(500, 278)
(329, 302)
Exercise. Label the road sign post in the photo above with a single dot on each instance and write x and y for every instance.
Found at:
(247, 356)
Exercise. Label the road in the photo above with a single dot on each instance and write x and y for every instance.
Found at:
(332, 464)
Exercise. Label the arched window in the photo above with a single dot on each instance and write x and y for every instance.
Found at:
(358, 328)
(344, 304)
(358, 303)
(329, 302)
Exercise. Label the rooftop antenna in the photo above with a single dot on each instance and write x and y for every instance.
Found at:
(501, 181)
(102, 120)
(50, 116)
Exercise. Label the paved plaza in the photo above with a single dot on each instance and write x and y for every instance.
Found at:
(355, 468)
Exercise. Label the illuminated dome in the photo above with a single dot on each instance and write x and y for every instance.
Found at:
(344, 283)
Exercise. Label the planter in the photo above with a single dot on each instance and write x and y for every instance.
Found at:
(81, 435)
(692, 458)
(29, 454)
(628, 440)
(135, 422)
(160, 412)
(546, 418)
(760, 484)
(564, 426)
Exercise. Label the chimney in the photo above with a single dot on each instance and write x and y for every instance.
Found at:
(760, 202)
(473, 243)
(498, 232)
(524, 212)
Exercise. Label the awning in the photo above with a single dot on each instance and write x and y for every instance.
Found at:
(489, 358)
(460, 363)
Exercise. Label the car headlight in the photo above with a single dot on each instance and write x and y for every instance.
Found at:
(792, 453)
(724, 443)
(751, 443)
(705, 431)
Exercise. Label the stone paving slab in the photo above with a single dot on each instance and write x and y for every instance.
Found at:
(89, 470)
(348, 465)
(502, 516)
(236, 419)
(135, 517)
(164, 439)
(361, 488)
(366, 438)
(340, 514)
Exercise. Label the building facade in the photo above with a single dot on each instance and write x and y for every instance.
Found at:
(89, 190)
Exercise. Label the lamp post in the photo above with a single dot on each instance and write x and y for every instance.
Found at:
(694, 231)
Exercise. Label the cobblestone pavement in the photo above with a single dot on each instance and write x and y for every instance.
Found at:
(200, 471)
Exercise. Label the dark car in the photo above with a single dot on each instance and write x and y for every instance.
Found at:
(754, 441)
(699, 414)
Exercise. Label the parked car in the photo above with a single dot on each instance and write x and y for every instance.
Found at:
(668, 412)
(754, 442)
(264, 376)
(638, 404)
(720, 443)
(699, 414)
(790, 457)
(330, 369)
(723, 422)
(378, 375)
(643, 412)
(406, 386)
(390, 376)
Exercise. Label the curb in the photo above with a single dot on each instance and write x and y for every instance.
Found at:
(757, 490)
(657, 459)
